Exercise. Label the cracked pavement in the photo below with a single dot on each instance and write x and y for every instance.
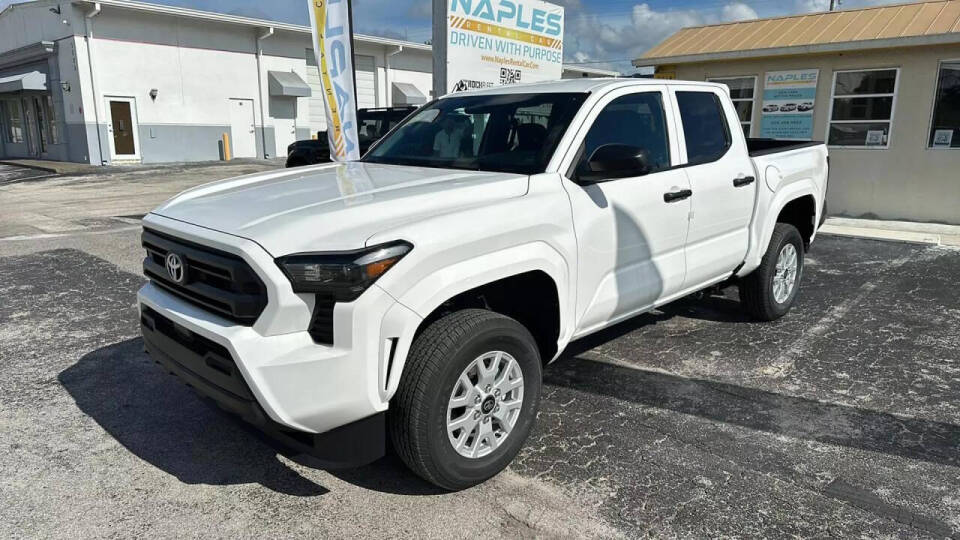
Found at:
(842, 419)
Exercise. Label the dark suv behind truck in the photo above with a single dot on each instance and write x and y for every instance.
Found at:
(373, 125)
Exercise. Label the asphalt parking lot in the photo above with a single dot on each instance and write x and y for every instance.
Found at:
(842, 419)
(12, 173)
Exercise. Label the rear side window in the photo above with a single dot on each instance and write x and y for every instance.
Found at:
(633, 120)
(704, 126)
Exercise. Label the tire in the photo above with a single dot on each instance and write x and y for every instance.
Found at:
(418, 414)
(757, 291)
(296, 162)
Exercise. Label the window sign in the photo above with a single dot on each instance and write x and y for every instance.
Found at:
(788, 102)
(943, 138)
(874, 137)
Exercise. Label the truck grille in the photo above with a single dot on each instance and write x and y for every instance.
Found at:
(216, 281)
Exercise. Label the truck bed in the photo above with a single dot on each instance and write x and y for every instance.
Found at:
(762, 147)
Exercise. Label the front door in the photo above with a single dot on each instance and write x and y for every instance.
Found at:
(41, 122)
(630, 237)
(243, 128)
(721, 178)
(123, 137)
(30, 119)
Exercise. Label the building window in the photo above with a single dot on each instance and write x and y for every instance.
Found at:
(945, 127)
(741, 92)
(861, 112)
(12, 121)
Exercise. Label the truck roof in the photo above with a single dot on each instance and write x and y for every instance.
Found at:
(583, 85)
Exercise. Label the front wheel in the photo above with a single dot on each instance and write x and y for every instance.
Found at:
(467, 399)
(769, 291)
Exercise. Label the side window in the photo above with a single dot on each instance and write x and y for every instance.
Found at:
(704, 126)
(633, 120)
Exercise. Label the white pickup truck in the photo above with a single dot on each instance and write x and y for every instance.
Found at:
(417, 294)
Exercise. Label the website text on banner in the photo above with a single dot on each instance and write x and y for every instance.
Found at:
(497, 42)
(788, 101)
(333, 46)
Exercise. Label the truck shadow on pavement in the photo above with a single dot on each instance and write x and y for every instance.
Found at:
(164, 423)
(761, 410)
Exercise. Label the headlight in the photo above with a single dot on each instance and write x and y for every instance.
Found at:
(344, 275)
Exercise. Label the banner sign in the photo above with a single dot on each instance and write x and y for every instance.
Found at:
(788, 101)
(333, 46)
(496, 42)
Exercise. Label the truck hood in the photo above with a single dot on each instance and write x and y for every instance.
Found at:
(335, 206)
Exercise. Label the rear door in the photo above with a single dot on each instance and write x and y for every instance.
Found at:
(630, 239)
(721, 177)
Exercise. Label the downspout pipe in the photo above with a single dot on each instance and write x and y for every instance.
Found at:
(386, 65)
(88, 26)
(263, 125)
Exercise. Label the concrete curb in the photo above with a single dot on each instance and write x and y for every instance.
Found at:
(880, 234)
(938, 234)
(30, 166)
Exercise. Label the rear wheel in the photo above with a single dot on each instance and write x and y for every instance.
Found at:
(467, 399)
(769, 291)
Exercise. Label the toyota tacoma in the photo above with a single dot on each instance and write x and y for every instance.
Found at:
(416, 295)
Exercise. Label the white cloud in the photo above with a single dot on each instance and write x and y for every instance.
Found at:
(591, 37)
(737, 11)
(811, 6)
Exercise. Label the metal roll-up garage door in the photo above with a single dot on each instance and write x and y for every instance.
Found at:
(366, 88)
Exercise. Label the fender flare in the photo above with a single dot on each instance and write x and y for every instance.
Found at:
(780, 200)
(436, 288)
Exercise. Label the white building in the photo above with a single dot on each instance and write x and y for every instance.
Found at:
(117, 81)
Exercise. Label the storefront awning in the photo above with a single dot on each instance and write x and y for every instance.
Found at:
(287, 83)
(407, 94)
(33, 80)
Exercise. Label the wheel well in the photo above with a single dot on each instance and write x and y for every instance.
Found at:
(800, 213)
(530, 298)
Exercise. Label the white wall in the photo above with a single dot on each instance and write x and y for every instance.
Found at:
(195, 65)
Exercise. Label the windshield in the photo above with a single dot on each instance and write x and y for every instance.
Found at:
(372, 125)
(500, 133)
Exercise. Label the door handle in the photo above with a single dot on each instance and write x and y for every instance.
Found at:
(677, 195)
(745, 181)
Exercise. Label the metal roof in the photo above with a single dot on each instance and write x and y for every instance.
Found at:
(921, 23)
(33, 80)
(287, 84)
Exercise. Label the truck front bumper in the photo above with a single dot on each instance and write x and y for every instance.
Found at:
(322, 400)
(209, 369)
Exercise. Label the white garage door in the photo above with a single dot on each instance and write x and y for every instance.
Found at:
(366, 88)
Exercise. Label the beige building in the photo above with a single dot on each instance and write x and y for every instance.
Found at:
(881, 86)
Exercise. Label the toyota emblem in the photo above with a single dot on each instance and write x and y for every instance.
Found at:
(176, 269)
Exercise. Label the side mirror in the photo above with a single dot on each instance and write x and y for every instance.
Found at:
(611, 161)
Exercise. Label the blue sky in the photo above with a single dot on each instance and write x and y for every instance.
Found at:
(601, 33)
